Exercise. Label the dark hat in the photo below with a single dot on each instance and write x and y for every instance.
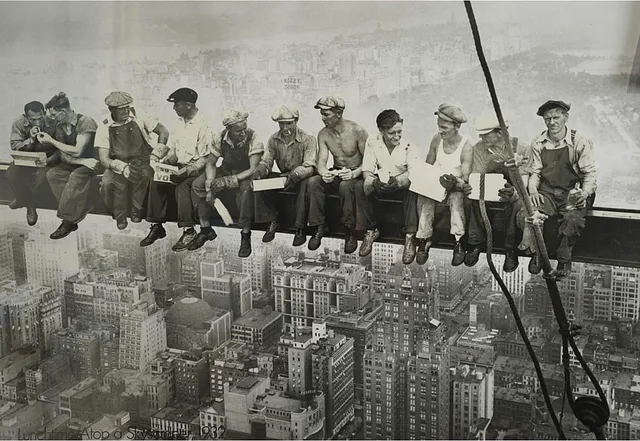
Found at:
(118, 99)
(553, 104)
(183, 94)
(451, 113)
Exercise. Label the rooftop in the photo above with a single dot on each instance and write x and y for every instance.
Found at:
(280, 402)
(16, 357)
(318, 266)
(514, 395)
(79, 387)
(256, 318)
(182, 414)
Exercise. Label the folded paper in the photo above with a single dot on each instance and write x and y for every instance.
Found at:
(425, 181)
(493, 182)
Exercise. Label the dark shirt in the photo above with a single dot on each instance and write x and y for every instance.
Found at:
(81, 124)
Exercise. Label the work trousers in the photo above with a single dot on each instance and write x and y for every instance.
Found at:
(115, 190)
(242, 197)
(158, 200)
(427, 215)
(24, 183)
(477, 235)
(265, 203)
(367, 205)
(318, 191)
(70, 185)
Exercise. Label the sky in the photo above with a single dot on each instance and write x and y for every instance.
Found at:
(65, 26)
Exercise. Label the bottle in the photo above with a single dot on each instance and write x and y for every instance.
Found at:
(573, 196)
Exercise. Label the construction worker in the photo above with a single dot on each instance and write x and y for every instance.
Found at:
(489, 156)
(386, 165)
(563, 179)
(241, 151)
(452, 153)
(124, 148)
(345, 140)
(295, 153)
(25, 181)
(70, 180)
(189, 146)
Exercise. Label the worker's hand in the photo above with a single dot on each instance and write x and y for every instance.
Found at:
(507, 194)
(516, 161)
(391, 185)
(581, 200)
(448, 182)
(33, 133)
(371, 184)
(44, 138)
(292, 181)
(210, 197)
(126, 172)
(171, 158)
(537, 200)
(346, 174)
(328, 177)
(260, 172)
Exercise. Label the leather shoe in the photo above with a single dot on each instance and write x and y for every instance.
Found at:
(510, 261)
(562, 270)
(136, 216)
(122, 224)
(367, 243)
(316, 239)
(534, 265)
(32, 216)
(350, 242)
(270, 233)
(409, 254)
(157, 232)
(472, 257)
(64, 230)
(245, 245)
(201, 239)
(14, 204)
(422, 254)
(458, 254)
(187, 237)
(300, 238)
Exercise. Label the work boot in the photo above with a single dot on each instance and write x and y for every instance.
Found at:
(64, 230)
(136, 216)
(205, 235)
(458, 254)
(409, 253)
(316, 239)
(185, 240)
(472, 257)
(350, 242)
(422, 254)
(14, 204)
(300, 237)
(367, 242)
(122, 223)
(157, 232)
(270, 234)
(562, 270)
(534, 265)
(510, 261)
(245, 244)
(32, 216)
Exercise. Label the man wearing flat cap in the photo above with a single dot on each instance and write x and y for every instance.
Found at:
(563, 160)
(452, 153)
(125, 148)
(346, 141)
(187, 149)
(489, 156)
(241, 151)
(295, 153)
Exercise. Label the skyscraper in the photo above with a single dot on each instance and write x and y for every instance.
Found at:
(471, 398)
(49, 262)
(143, 335)
(7, 270)
(225, 289)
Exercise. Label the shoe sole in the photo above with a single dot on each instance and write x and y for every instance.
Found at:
(372, 242)
(154, 241)
(203, 243)
(75, 228)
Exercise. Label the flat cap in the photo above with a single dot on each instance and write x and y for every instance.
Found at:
(553, 104)
(487, 122)
(451, 113)
(234, 117)
(330, 102)
(118, 99)
(183, 94)
(285, 113)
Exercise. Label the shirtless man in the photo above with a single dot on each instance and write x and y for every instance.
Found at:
(452, 153)
(345, 140)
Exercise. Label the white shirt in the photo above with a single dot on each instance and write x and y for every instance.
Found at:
(450, 162)
(377, 157)
(146, 122)
(191, 140)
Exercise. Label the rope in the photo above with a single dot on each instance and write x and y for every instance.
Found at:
(514, 311)
(592, 412)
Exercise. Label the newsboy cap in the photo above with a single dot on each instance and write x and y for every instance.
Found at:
(118, 99)
(183, 94)
(488, 122)
(234, 117)
(285, 113)
(553, 104)
(329, 102)
(451, 113)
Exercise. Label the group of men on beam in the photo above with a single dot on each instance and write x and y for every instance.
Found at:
(558, 169)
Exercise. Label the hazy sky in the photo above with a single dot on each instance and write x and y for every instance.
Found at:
(116, 25)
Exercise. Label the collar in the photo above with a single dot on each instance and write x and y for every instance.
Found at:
(132, 116)
(193, 120)
(566, 139)
(74, 120)
(297, 137)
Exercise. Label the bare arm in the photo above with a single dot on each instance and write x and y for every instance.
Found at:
(254, 160)
(82, 141)
(19, 139)
(433, 150)
(162, 132)
(323, 154)
(466, 158)
(105, 160)
(362, 142)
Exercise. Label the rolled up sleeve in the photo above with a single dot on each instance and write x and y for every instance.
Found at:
(369, 160)
(205, 139)
(270, 154)
(18, 136)
(587, 166)
(102, 137)
(215, 148)
(310, 152)
(256, 147)
(536, 167)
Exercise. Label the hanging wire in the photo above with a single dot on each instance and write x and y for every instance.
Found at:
(591, 411)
